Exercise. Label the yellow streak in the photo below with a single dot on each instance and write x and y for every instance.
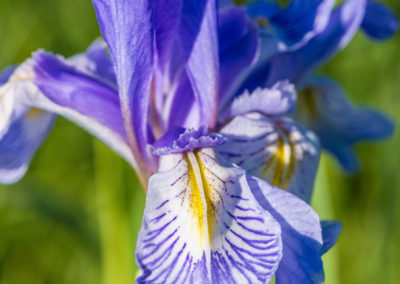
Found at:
(199, 188)
(277, 163)
(292, 162)
(208, 190)
(195, 203)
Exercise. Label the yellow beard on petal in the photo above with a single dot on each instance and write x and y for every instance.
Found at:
(195, 200)
(203, 199)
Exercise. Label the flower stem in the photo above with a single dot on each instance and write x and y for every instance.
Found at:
(117, 245)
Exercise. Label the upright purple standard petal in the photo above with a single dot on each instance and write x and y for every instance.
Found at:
(199, 41)
(238, 50)
(380, 22)
(167, 17)
(127, 27)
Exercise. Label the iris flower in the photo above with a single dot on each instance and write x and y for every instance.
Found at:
(214, 164)
(322, 105)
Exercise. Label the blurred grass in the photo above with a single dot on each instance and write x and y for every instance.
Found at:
(49, 222)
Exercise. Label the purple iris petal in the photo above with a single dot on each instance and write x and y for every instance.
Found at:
(338, 123)
(182, 110)
(97, 61)
(127, 27)
(199, 41)
(380, 22)
(69, 87)
(295, 24)
(343, 24)
(239, 45)
(167, 16)
(330, 233)
(21, 136)
(181, 140)
(301, 234)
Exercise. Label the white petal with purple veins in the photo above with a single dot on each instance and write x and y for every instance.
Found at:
(202, 224)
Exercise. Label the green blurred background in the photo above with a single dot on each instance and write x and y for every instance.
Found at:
(75, 216)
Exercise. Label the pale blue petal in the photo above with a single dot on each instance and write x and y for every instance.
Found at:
(301, 234)
(277, 100)
(275, 149)
(17, 147)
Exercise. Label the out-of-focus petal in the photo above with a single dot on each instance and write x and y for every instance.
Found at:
(330, 234)
(323, 108)
(202, 225)
(343, 23)
(238, 50)
(199, 41)
(301, 234)
(380, 22)
(278, 100)
(20, 143)
(127, 27)
(295, 24)
(22, 131)
(5, 74)
(277, 150)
